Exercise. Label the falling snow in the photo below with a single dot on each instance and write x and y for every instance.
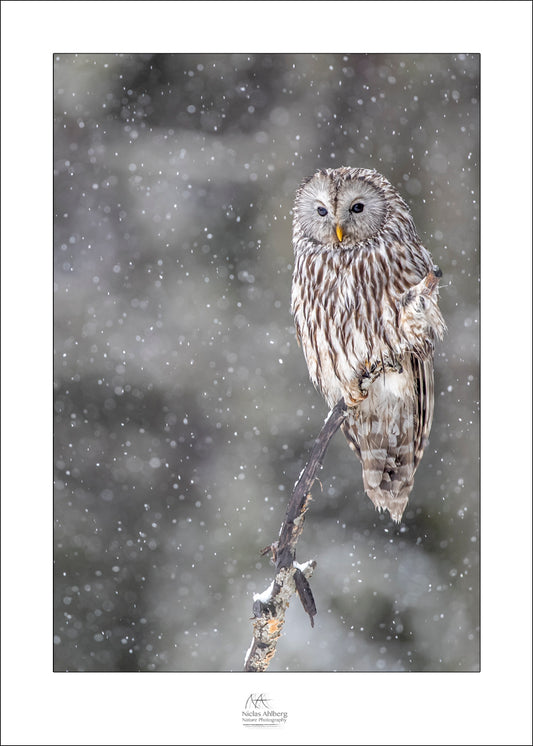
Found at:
(183, 411)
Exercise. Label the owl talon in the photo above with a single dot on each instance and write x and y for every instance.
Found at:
(352, 402)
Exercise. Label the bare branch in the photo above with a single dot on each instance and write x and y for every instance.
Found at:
(270, 607)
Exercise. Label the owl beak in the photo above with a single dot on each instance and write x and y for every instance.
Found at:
(339, 233)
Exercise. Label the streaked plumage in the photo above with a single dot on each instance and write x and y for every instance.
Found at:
(364, 299)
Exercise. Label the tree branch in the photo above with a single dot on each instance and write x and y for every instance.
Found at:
(269, 607)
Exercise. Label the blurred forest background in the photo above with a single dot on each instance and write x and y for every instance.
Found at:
(183, 408)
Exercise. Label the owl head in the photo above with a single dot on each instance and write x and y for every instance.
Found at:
(345, 206)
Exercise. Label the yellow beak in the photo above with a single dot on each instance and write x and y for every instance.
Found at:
(338, 230)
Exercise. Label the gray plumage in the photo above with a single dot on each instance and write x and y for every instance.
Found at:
(364, 299)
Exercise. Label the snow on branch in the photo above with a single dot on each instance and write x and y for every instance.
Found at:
(269, 607)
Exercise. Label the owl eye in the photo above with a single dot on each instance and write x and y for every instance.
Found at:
(321, 211)
(357, 207)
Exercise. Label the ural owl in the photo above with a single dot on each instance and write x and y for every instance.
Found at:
(364, 300)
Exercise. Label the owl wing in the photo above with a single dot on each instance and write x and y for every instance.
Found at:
(424, 402)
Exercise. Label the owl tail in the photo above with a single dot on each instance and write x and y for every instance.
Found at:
(383, 440)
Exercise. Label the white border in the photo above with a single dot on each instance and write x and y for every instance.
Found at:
(44, 708)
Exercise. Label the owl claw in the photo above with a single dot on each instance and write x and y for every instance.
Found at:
(352, 402)
(431, 281)
(370, 373)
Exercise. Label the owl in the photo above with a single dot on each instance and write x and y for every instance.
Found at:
(365, 306)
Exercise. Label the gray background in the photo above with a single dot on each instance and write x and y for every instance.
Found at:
(183, 409)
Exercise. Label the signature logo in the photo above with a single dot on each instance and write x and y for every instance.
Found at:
(258, 712)
(257, 701)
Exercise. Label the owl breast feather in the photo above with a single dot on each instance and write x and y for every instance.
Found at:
(348, 318)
